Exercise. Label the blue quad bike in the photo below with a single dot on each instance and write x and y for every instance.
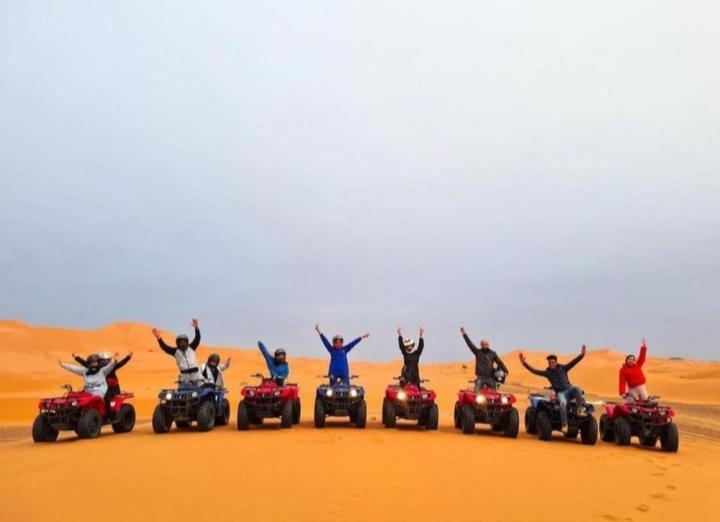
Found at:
(340, 399)
(191, 402)
(543, 417)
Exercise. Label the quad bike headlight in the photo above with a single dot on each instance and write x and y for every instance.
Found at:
(73, 403)
(168, 396)
(251, 392)
(401, 395)
(424, 395)
(194, 395)
(480, 399)
(277, 393)
(353, 392)
(504, 400)
(328, 392)
(112, 404)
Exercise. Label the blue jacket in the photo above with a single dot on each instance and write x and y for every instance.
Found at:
(276, 370)
(338, 357)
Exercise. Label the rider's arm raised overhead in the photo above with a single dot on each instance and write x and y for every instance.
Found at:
(196, 340)
(122, 362)
(266, 354)
(529, 368)
(81, 361)
(401, 344)
(109, 367)
(569, 366)
(643, 354)
(77, 370)
(421, 346)
(471, 345)
(224, 366)
(352, 344)
(326, 343)
(170, 350)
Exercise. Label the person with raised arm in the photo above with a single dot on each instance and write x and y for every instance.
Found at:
(184, 354)
(93, 375)
(276, 363)
(487, 362)
(339, 369)
(111, 378)
(632, 376)
(410, 373)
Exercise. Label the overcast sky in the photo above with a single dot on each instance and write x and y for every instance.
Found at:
(546, 174)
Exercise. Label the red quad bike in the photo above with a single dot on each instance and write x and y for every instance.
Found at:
(645, 420)
(268, 399)
(487, 406)
(82, 412)
(410, 402)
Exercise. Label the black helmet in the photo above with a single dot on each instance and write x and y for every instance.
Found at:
(93, 358)
(214, 358)
(279, 352)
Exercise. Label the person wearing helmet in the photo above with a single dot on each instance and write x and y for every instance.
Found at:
(94, 375)
(487, 362)
(410, 373)
(632, 376)
(276, 363)
(212, 370)
(557, 374)
(184, 353)
(339, 369)
(111, 378)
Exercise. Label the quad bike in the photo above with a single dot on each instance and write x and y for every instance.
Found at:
(266, 400)
(543, 417)
(191, 402)
(340, 399)
(646, 420)
(486, 406)
(410, 402)
(83, 413)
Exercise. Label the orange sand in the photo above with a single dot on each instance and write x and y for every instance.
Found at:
(341, 473)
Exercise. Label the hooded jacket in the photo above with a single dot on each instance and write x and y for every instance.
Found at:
(632, 376)
(277, 371)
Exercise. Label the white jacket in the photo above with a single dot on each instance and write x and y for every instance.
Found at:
(208, 376)
(94, 382)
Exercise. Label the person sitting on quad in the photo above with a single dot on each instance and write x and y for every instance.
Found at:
(212, 370)
(557, 374)
(276, 364)
(111, 378)
(410, 373)
(94, 375)
(185, 359)
(339, 369)
(632, 376)
(487, 362)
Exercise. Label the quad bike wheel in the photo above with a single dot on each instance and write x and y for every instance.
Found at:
(468, 420)
(126, 419)
(389, 415)
(319, 414)
(286, 415)
(432, 418)
(206, 416)
(89, 425)
(243, 416)
(457, 416)
(544, 425)
(161, 419)
(623, 431)
(223, 416)
(296, 412)
(512, 423)
(607, 433)
(670, 438)
(361, 415)
(531, 421)
(42, 430)
(589, 431)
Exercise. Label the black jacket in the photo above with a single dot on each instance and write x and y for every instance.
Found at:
(558, 377)
(485, 360)
(411, 361)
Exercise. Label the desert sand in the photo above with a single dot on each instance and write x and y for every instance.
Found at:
(342, 473)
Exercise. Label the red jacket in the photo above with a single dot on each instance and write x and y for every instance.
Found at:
(633, 375)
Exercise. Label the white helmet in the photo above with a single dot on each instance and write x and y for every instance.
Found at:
(409, 345)
(106, 356)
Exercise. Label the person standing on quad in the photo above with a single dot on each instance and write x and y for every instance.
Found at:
(487, 362)
(632, 376)
(94, 375)
(339, 369)
(410, 373)
(276, 364)
(557, 374)
(111, 378)
(184, 354)
(212, 370)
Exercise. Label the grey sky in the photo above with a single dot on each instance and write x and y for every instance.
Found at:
(545, 173)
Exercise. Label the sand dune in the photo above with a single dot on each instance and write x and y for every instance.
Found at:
(341, 472)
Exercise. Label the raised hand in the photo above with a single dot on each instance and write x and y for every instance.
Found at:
(643, 344)
(117, 355)
(229, 359)
(317, 328)
(522, 357)
(365, 335)
(422, 331)
(74, 355)
(130, 354)
(156, 333)
(194, 323)
(583, 350)
(462, 330)
(399, 331)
